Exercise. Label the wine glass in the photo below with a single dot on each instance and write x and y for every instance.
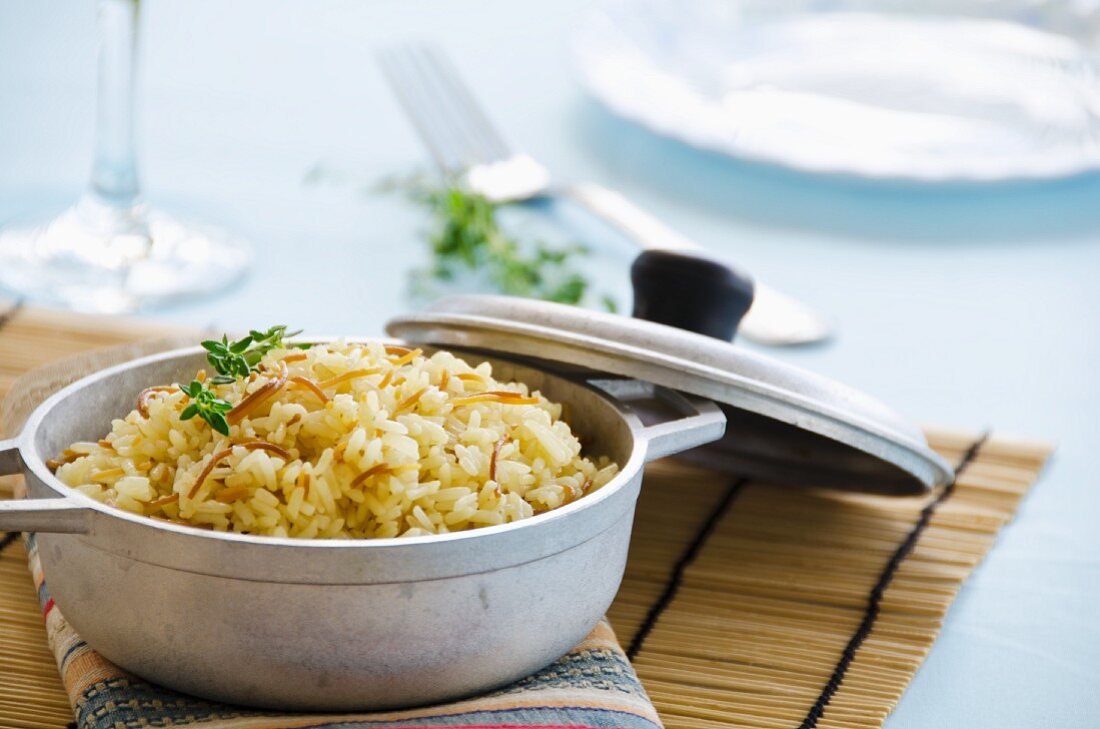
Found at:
(109, 252)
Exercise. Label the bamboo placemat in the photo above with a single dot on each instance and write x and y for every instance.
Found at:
(743, 605)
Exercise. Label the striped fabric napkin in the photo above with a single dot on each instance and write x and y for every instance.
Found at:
(594, 685)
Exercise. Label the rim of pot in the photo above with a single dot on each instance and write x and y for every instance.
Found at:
(33, 461)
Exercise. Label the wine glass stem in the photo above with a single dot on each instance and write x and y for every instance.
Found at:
(114, 180)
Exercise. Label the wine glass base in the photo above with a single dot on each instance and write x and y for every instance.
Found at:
(97, 259)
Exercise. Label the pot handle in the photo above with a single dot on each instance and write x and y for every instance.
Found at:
(55, 516)
(700, 421)
(10, 463)
(61, 515)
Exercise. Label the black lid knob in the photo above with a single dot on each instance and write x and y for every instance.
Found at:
(691, 292)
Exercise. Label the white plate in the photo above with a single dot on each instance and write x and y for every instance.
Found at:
(888, 96)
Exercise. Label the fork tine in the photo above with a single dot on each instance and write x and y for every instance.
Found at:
(442, 109)
(449, 107)
(441, 106)
(405, 80)
(478, 126)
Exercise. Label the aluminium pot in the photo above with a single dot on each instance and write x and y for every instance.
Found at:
(337, 624)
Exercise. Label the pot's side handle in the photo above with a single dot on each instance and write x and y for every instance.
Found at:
(63, 516)
(700, 421)
(56, 516)
(10, 463)
(706, 425)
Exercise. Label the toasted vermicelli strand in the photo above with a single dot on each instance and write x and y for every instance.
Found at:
(214, 459)
(404, 359)
(380, 469)
(263, 445)
(146, 394)
(67, 456)
(225, 453)
(372, 471)
(571, 494)
(502, 396)
(347, 376)
(493, 458)
(308, 384)
(229, 495)
(410, 400)
(262, 393)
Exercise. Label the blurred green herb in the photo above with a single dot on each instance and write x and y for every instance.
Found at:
(264, 342)
(233, 360)
(465, 234)
(207, 406)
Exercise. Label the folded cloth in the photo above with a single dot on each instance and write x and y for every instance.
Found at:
(593, 685)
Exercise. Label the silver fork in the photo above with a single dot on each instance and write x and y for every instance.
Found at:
(464, 143)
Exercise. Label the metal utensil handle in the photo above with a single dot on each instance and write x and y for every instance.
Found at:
(675, 282)
(772, 318)
(702, 421)
(626, 217)
(62, 515)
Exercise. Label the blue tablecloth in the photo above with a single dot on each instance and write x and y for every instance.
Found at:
(970, 306)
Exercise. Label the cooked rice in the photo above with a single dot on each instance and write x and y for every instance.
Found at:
(360, 440)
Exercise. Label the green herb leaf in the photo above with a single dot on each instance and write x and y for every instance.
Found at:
(219, 423)
(208, 406)
(237, 359)
(224, 360)
(271, 339)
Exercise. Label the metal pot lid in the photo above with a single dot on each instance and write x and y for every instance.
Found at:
(786, 425)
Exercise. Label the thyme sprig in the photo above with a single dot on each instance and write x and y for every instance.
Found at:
(234, 360)
(207, 406)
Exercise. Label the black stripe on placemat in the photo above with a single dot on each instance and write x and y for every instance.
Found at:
(677, 577)
(10, 313)
(7, 540)
(874, 601)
